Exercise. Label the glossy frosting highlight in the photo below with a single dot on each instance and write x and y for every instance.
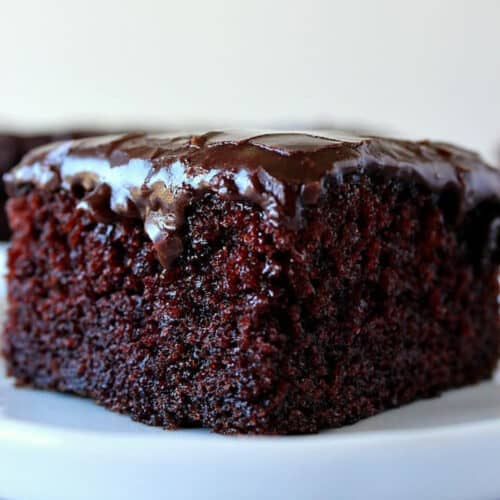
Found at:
(155, 177)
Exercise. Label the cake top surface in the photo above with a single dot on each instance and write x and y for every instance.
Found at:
(292, 157)
(258, 149)
(156, 176)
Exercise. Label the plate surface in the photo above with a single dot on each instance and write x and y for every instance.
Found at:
(54, 446)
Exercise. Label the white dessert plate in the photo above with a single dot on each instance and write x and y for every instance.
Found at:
(54, 446)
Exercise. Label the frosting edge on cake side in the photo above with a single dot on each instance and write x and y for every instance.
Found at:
(155, 177)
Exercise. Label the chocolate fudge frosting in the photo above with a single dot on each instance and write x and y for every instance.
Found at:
(155, 177)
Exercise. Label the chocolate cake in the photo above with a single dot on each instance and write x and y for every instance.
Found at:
(252, 282)
(12, 148)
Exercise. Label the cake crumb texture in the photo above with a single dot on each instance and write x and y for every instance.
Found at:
(386, 294)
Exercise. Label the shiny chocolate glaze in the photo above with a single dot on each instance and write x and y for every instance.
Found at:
(155, 177)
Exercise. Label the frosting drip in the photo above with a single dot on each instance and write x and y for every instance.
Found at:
(155, 177)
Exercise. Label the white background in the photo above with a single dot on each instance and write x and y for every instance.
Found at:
(426, 68)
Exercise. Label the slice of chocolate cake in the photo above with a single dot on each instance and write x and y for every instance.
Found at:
(261, 283)
(12, 148)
